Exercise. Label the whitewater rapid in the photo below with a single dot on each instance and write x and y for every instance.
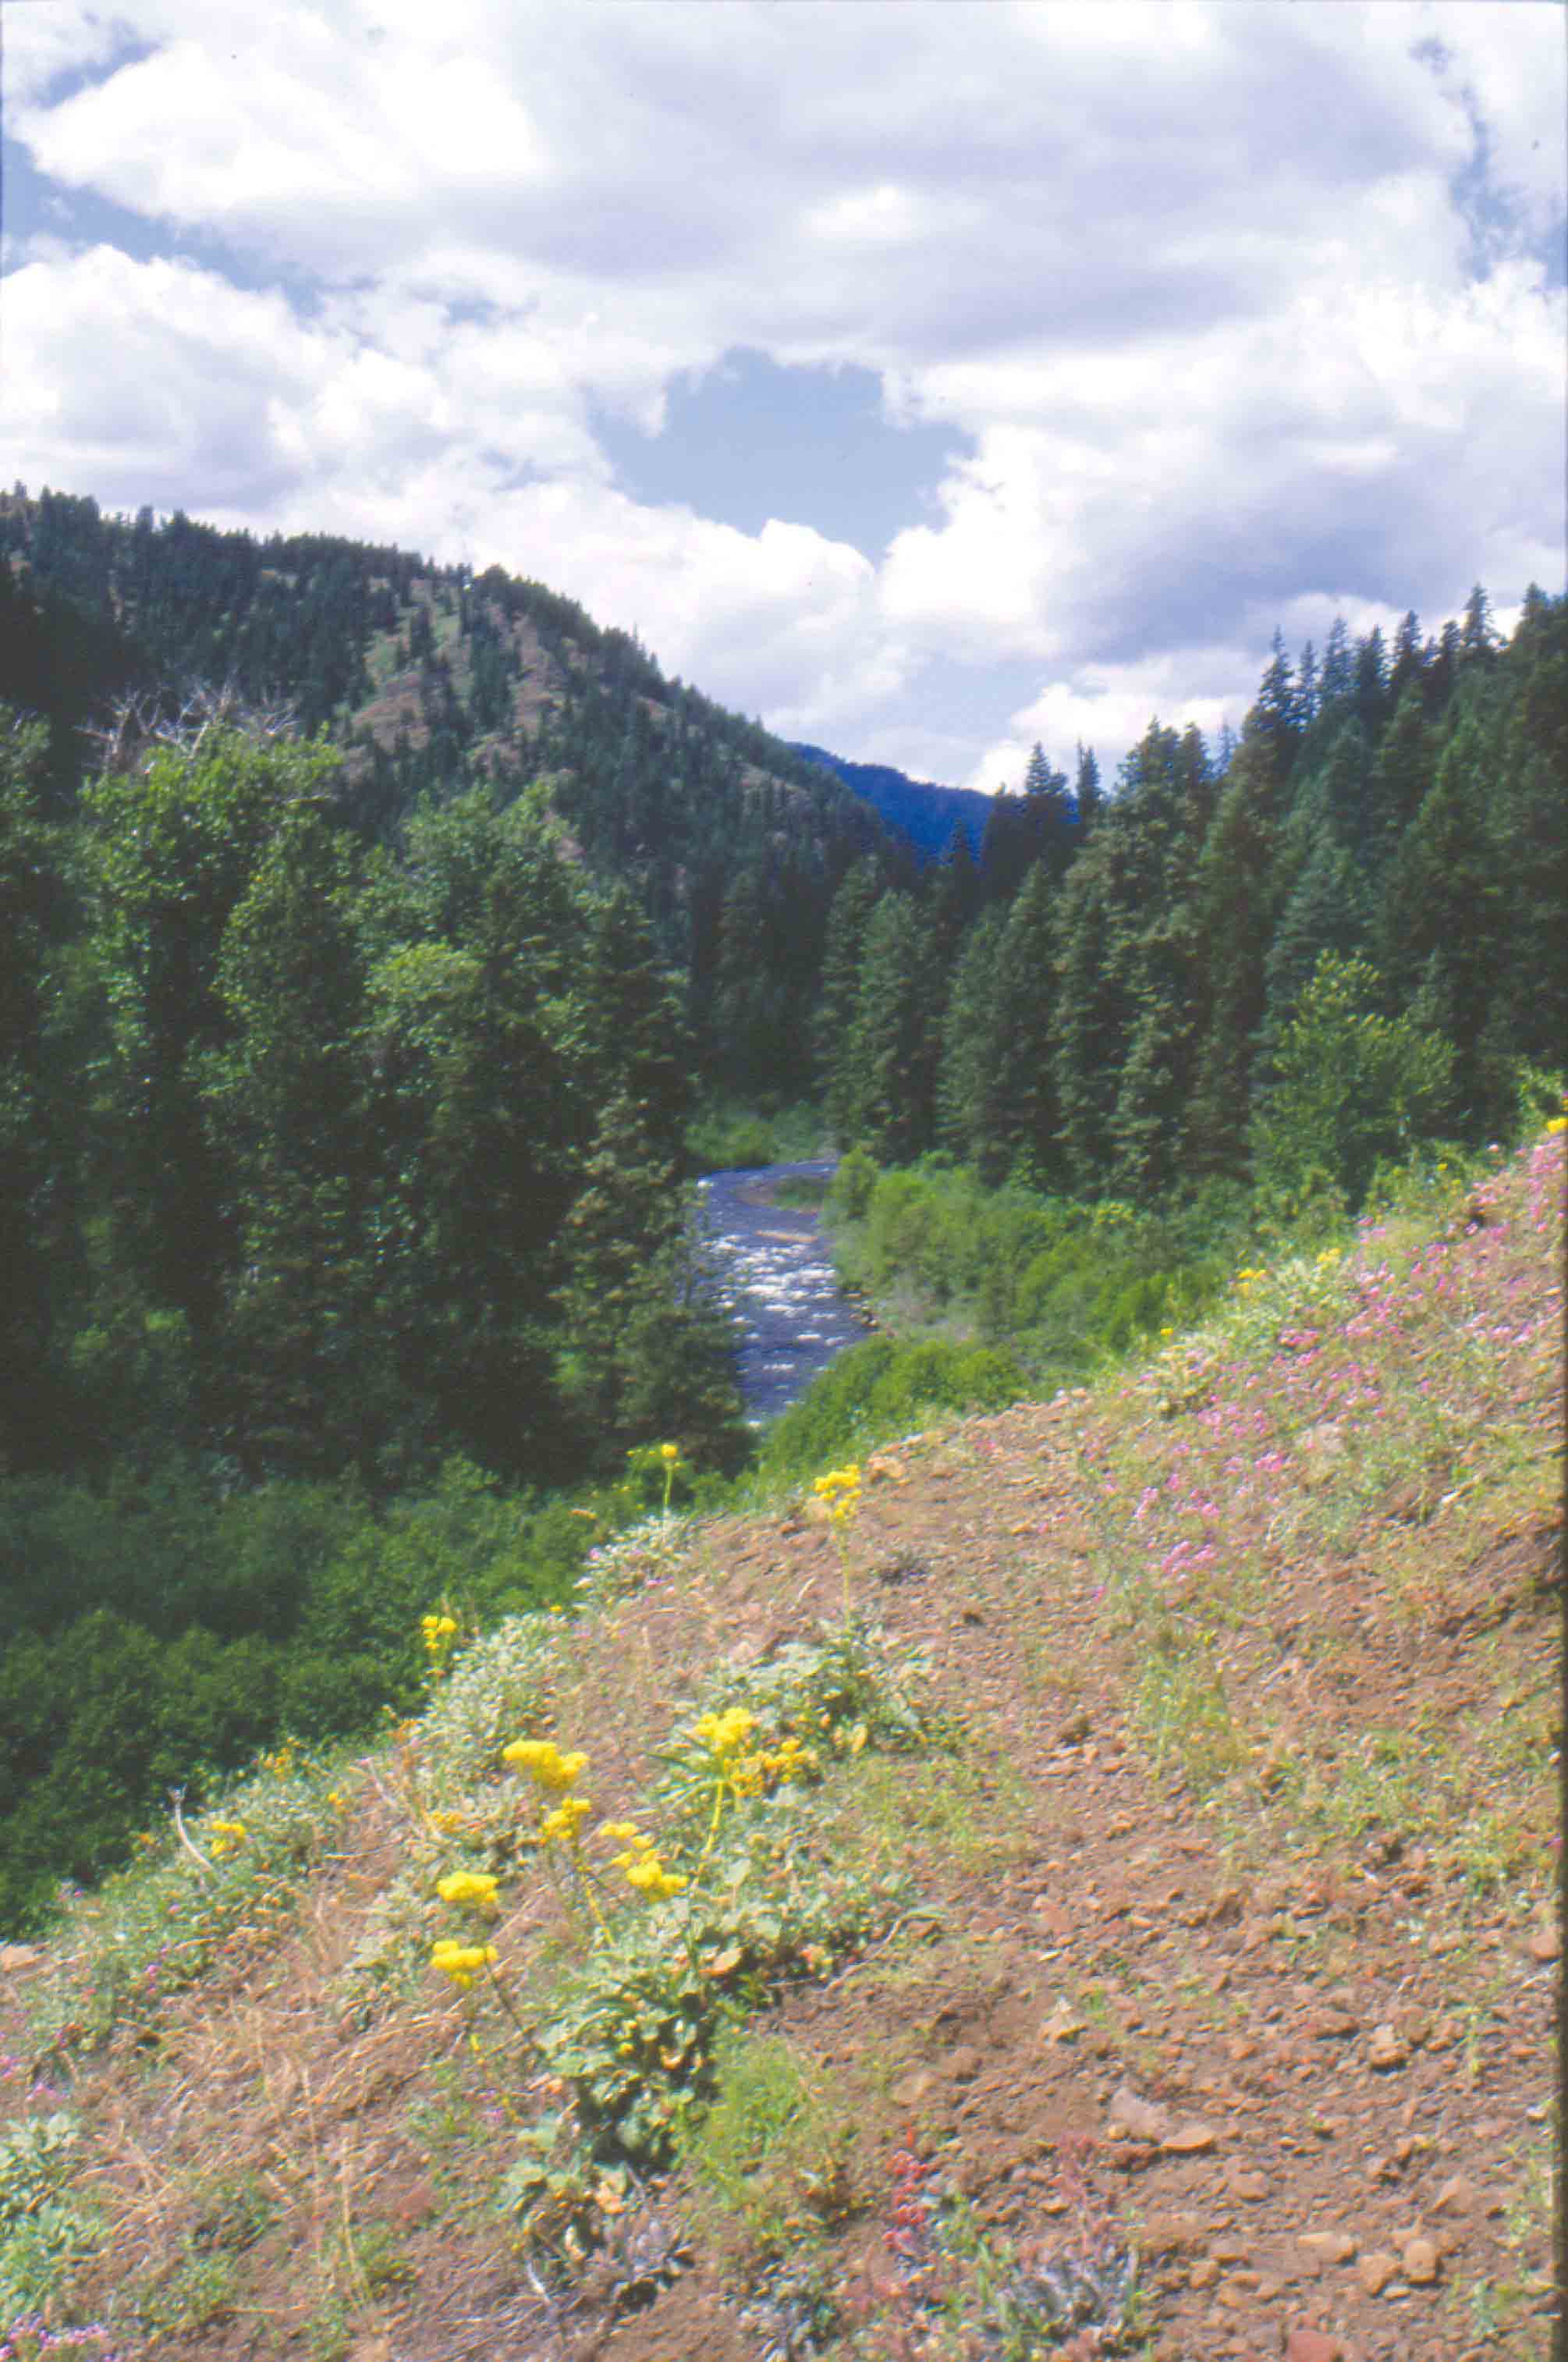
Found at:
(773, 1273)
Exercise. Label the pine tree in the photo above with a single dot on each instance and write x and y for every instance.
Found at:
(1440, 929)
(1087, 796)
(895, 1035)
(1234, 914)
(175, 846)
(969, 1067)
(847, 923)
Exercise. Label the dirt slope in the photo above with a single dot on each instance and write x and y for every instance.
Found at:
(1222, 2000)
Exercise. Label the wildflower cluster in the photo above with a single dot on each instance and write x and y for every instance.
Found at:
(840, 1490)
(462, 1962)
(438, 1637)
(225, 1837)
(639, 1861)
(746, 1770)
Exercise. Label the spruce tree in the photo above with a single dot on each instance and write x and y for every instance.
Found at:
(895, 1035)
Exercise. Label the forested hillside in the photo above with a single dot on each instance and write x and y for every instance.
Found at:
(431, 681)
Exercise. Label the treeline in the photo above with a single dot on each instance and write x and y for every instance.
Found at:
(1272, 968)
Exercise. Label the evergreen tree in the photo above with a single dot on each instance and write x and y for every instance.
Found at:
(1233, 915)
(970, 1067)
(1529, 816)
(1401, 772)
(1371, 691)
(895, 1035)
(1022, 1113)
(1087, 796)
(1441, 927)
(1409, 662)
(1337, 678)
(836, 1064)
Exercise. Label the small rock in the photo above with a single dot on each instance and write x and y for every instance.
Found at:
(1074, 1730)
(882, 1468)
(19, 1956)
(1061, 2026)
(1305, 2344)
(1457, 2196)
(1248, 2186)
(1190, 2140)
(1376, 2270)
(1236, 2288)
(1544, 1945)
(1163, 2235)
(1228, 2251)
(1136, 2116)
(1418, 2263)
(963, 2062)
(1384, 2051)
(1203, 2274)
(912, 2089)
(1329, 2025)
(1328, 2247)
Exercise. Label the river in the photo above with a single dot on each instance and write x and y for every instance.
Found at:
(776, 1277)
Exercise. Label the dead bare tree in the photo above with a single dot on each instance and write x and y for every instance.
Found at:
(144, 722)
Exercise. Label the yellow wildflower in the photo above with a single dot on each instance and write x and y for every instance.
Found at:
(724, 1733)
(544, 1763)
(670, 1453)
(561, 1827)
(650, 1877)
(621, 1833)
(475, 1888)
(1557, 1123)
(462, 1962)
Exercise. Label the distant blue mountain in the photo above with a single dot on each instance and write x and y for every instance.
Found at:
(924, 814)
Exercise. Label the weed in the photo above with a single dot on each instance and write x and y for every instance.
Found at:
(204, 2289)
(45, 2233)
(223, 1888)
(377, 2257)
(769, 2157)
(1181, 1702)
(238, 2208)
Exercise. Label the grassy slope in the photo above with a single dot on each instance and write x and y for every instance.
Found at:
(1226, 1933)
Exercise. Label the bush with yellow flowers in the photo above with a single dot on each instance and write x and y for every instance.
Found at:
(687, 1911)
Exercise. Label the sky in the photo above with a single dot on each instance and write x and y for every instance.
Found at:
(928, 378)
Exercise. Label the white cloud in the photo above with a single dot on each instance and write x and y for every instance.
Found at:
(1196, 282)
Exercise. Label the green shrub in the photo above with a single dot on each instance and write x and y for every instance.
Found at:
(881, 1389)
(1352, 1087)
